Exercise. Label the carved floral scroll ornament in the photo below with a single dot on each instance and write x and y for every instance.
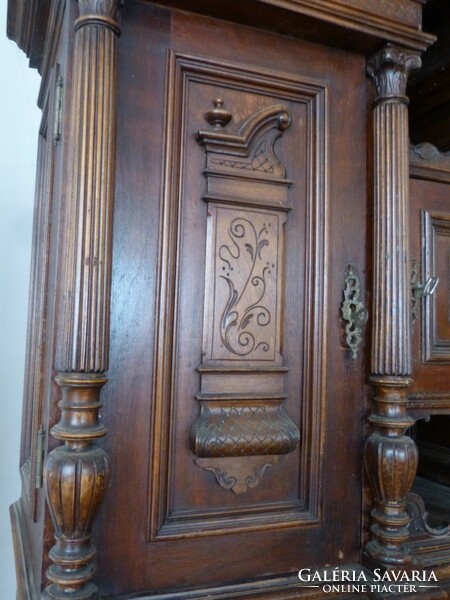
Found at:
(243, 310)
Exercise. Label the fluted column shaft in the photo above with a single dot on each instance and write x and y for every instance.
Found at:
(390, 455)
(76, 473)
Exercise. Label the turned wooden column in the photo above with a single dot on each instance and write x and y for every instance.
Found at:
(76, 473)
(390, 455)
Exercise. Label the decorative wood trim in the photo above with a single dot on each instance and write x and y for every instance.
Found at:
(390, 455)
(374, 21)
(428, 162)
(27, 587)
(163, 521)
(423, 404)
(372, 16)
(420, 524)
(239, 434)
(51, 44)
(76, 474)
(37, 312)
(271, 588)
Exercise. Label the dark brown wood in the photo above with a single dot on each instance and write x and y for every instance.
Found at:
(243, 427)
(369, 22)
(26, 25)
(203, 307)
(76, 474)
(24, 560)
(390, 455)
(33, 417)
(430, 193)
(188, 518)
(429, 395)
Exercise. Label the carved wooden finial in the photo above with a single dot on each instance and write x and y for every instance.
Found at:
(218, 117)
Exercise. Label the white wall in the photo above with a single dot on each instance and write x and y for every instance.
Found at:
(19, 124)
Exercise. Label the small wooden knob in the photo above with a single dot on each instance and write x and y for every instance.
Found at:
(218, 117)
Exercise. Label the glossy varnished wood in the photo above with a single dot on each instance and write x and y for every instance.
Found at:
(179, 518)
(390, 455)
(215, 221)
(430, 214)
(76, 474)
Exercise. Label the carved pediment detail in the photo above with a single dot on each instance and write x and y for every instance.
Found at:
(251, 149)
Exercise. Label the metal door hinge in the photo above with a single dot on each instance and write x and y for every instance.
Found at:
(420, 290)
(353, 310)
(40, 456)
(58, 111)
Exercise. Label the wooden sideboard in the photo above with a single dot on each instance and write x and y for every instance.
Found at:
(219, 382)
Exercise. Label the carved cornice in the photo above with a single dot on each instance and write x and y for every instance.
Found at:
(373, 21)
(389, 69)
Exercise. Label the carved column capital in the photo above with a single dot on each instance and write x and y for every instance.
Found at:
(390, 68)
(98, 12)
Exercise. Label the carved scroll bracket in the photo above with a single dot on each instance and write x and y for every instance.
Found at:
(238, 476)
(243, 426)
(420, 522)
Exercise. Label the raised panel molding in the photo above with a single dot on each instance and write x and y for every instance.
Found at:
(239, 210)
(436, 307)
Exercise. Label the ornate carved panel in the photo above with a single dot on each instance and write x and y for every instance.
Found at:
(244, 270)
(235, 397)
(243, 300)
(436, 307)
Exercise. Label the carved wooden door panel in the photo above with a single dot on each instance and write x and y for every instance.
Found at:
(235, 415)
(430, 395)
(430, 241)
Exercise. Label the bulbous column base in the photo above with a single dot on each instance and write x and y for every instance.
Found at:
(390, 459)
(88, 591)
(76, 477)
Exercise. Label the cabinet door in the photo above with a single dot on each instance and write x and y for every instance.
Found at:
(234, 406)
(430, 235)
